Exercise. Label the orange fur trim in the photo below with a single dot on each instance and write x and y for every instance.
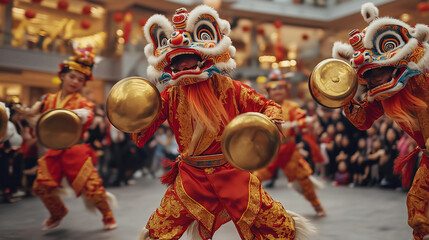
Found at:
(399, 107)
(205, 106)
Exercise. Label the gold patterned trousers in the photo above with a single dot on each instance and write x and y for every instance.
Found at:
(171, 219)
(93, 190)
(418, 203)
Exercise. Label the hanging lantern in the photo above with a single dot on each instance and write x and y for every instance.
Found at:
(278, 24)
(4, 1)
(261, 31)
(142, 22)
(36, 1)
(423, 7)
(85, 24)
(29, 14)
(62, 5)
(245, 28)
(86, 10)
(118, 17)
(304, 37)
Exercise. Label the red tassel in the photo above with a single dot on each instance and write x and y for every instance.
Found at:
(169, 177)
(404, 166)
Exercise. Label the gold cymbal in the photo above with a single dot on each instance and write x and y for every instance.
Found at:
(333, 83)
(250, 141)
(3, 122)
(58, 129)
(133, 104)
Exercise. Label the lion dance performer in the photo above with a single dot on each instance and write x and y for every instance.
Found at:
(74, 163)
(391, 60)
(289, 160)
(205, 190)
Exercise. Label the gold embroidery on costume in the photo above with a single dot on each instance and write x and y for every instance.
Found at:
(417, 203)
(43, 174)
(183, 116)
(161, 223)
(51, 200)
(253, 207)
(196, 209)
(273, 221)
(82, 176)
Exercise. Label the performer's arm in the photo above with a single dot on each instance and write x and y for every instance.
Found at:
(140, 138)
(363, 114)
(250, 101)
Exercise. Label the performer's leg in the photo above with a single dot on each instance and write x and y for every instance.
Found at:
(52, 202)
(418, 203)
(310, 194)
(273, 221)
(95, 193)
(264, 174)
(169, 221)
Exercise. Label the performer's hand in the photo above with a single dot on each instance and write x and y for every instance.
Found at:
(286, 126)
(83, 114)
(27, 111)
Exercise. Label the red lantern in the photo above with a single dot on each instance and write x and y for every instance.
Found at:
(246, 28)
(4, 1)
(423, 7)
(86, 10)
(30, 14)
(118, 17)
(261, 31)
(304, 37)
(62, 5)
(278, 24)
(142, 22)
(36, 1)
(85, 24)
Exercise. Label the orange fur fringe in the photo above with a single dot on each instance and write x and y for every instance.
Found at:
(398, 108)
(205, 106)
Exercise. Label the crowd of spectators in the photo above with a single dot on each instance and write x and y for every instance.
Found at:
(349, 156)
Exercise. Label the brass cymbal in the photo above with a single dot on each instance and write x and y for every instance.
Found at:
(333, 83)
(3, 122)
(58, 129)
(133, 104)
(250, 141)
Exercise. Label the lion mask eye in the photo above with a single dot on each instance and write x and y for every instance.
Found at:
(388, 41)
(205, 31)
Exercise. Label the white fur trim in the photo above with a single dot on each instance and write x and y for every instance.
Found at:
(153, 74)
(160, 20)
(316, 183)
(144, 235)
(421, 33)
(372, 29)
(342, 51)
(369, 12)
(65, 189)
(225, 27)
(192, 232)
(111, 199)
(232, 51)
(226, 66)
(149, 50)
(90, 206)
(304, 230)
(196, 13)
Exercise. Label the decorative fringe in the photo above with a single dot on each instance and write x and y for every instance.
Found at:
(295, 186)
(90, 207)
(64, 189)
(111, 199)
(169, 177)
(304, 230)
(193, 233)
(316, 183)
(144, 234)
(404, 166)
